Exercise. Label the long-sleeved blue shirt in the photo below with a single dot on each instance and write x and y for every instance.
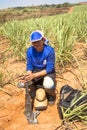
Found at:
(41, 60)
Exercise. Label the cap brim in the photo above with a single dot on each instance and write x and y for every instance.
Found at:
(35, 40)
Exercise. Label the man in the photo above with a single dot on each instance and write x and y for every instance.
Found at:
(40, 65)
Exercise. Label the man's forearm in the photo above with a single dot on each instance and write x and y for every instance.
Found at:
(41, 73)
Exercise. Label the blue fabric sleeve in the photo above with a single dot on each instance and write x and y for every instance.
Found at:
(50, 61)
(29, 65)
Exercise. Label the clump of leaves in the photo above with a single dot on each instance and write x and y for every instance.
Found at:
(78, 108)
(85, 52)
(1, 79)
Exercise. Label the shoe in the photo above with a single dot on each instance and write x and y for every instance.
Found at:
(21, 85)
(51, 100)
(51, 103)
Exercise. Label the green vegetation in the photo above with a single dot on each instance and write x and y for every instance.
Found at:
(80, 13)
(81, 8)
(20, 10)
(62, 30)
(77, 112)
(21, 13)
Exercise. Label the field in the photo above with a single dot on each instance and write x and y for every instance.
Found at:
(26, 13)
(67, 33)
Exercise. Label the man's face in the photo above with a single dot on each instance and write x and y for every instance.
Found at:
(38, 45)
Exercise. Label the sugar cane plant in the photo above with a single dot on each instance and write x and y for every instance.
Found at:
(62, 31)
(77, 110)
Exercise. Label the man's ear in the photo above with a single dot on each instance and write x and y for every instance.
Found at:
(43, 39)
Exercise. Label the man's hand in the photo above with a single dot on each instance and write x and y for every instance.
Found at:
(23, 78)
(29, 77)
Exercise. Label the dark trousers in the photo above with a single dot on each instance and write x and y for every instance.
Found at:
(38, 83)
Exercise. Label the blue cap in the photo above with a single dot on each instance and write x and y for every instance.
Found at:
(35, 36)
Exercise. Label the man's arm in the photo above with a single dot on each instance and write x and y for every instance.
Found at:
(31, 75)
(50, 62)
(40, 73)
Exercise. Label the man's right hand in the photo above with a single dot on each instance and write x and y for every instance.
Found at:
(24, 77)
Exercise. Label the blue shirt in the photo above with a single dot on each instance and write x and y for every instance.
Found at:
(41, 60)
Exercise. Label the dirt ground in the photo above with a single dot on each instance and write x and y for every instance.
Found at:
(12, 103)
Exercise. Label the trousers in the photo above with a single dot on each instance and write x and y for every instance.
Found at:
(38, 83)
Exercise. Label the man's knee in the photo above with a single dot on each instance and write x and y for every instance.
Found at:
(48, 83)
